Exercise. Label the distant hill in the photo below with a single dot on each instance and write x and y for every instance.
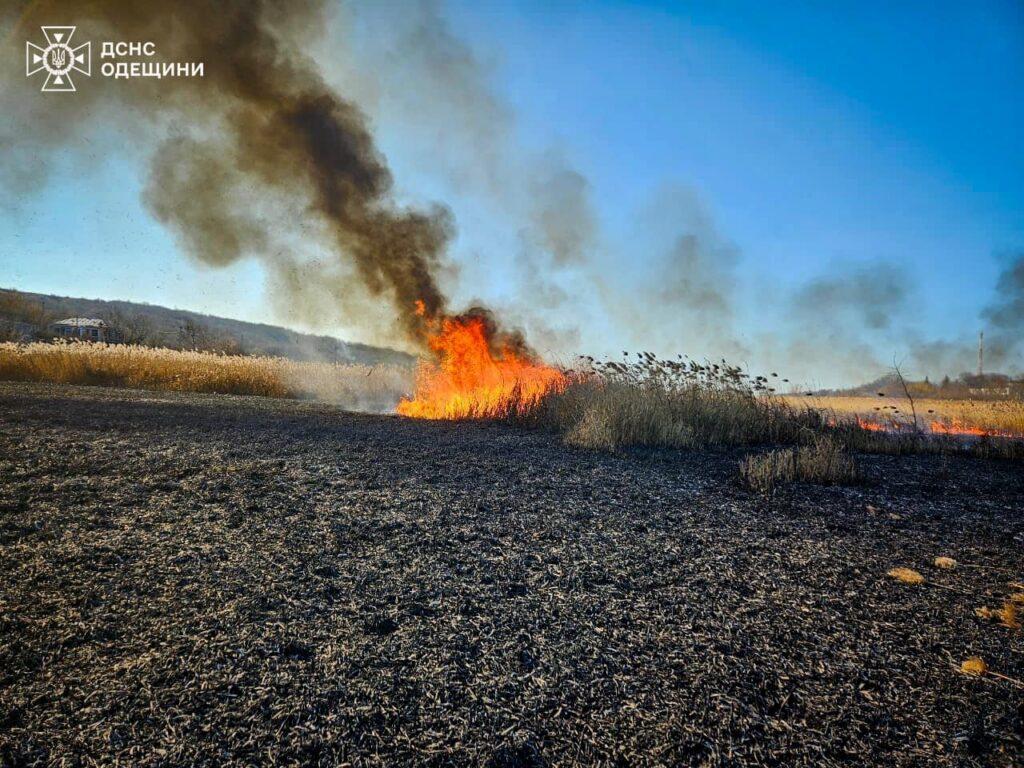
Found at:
(28, 315)
(990, 386)
(888, 383)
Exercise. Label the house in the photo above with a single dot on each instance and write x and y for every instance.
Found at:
(86, 329)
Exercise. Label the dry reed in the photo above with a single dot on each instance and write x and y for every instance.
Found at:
(824, 462)
(372, 388)
(669, 403)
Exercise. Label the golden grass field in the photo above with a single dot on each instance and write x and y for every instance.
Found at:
(996, 416)
(360, 387)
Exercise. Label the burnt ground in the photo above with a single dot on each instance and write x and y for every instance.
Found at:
(206, 580)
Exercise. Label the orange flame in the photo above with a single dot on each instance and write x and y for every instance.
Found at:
(871, 426)
(952, 427)
(956, 427)
(471, 380)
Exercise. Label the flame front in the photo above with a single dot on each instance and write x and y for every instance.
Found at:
(470, 379)
(952, 427)
(957, 427)
(871, 426)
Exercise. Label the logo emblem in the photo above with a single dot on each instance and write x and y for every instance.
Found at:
(58, 58)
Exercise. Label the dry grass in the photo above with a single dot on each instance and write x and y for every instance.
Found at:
(613, 414)
(353, 386)
(906, 575)
(974, 666)
(685, 404)
(824, 462)
(665, 403)
(997, 416)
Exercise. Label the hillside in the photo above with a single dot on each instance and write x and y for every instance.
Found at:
(989, 386)
(27, 315)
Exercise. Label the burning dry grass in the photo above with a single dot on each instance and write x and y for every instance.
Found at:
(956, 417)
(477, 374)
(353, 386)
(685, 404)
(647, 402)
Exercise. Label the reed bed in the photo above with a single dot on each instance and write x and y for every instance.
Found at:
(684, 403)
(369, 388)
(673, 403)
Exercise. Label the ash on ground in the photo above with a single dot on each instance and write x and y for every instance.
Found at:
(212, 581)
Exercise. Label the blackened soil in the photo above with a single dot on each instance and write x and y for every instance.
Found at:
(205, 580)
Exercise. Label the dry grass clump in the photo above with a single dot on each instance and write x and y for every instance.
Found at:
(824, 462)
(668, 403)
(125, 365)
(906, 575)
(975, 666)
(1007, 615)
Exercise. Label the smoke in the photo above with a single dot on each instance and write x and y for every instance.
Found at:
(844, 322)
(216, 229)
(684, 297)
(435, 93)
(270, 156)
(261, 127)
(857, 319)
(1002, 320)
(943, 357)
(860, 297)
(1005, 313)
(561, 216)
(409, 69)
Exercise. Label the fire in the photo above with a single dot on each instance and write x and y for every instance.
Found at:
(953, 427)
(956, 427)
(871, 426)
(472, 379)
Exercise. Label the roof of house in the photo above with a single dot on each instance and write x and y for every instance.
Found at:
(88, 322)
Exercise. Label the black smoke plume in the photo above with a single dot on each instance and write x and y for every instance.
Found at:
(259, 157)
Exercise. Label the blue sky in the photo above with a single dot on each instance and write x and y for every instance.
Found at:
(819, 133)
(818, 136)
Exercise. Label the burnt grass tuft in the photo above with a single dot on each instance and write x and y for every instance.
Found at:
(207, 580)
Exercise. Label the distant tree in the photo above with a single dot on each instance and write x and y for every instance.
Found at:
(225, 344)
(17, 307)
(193, 335)
(134, 327)
(197, 336)
(9, 331)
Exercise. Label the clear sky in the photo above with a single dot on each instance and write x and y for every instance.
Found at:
(817, 136)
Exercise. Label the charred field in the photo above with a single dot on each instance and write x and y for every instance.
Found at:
(198, 579)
